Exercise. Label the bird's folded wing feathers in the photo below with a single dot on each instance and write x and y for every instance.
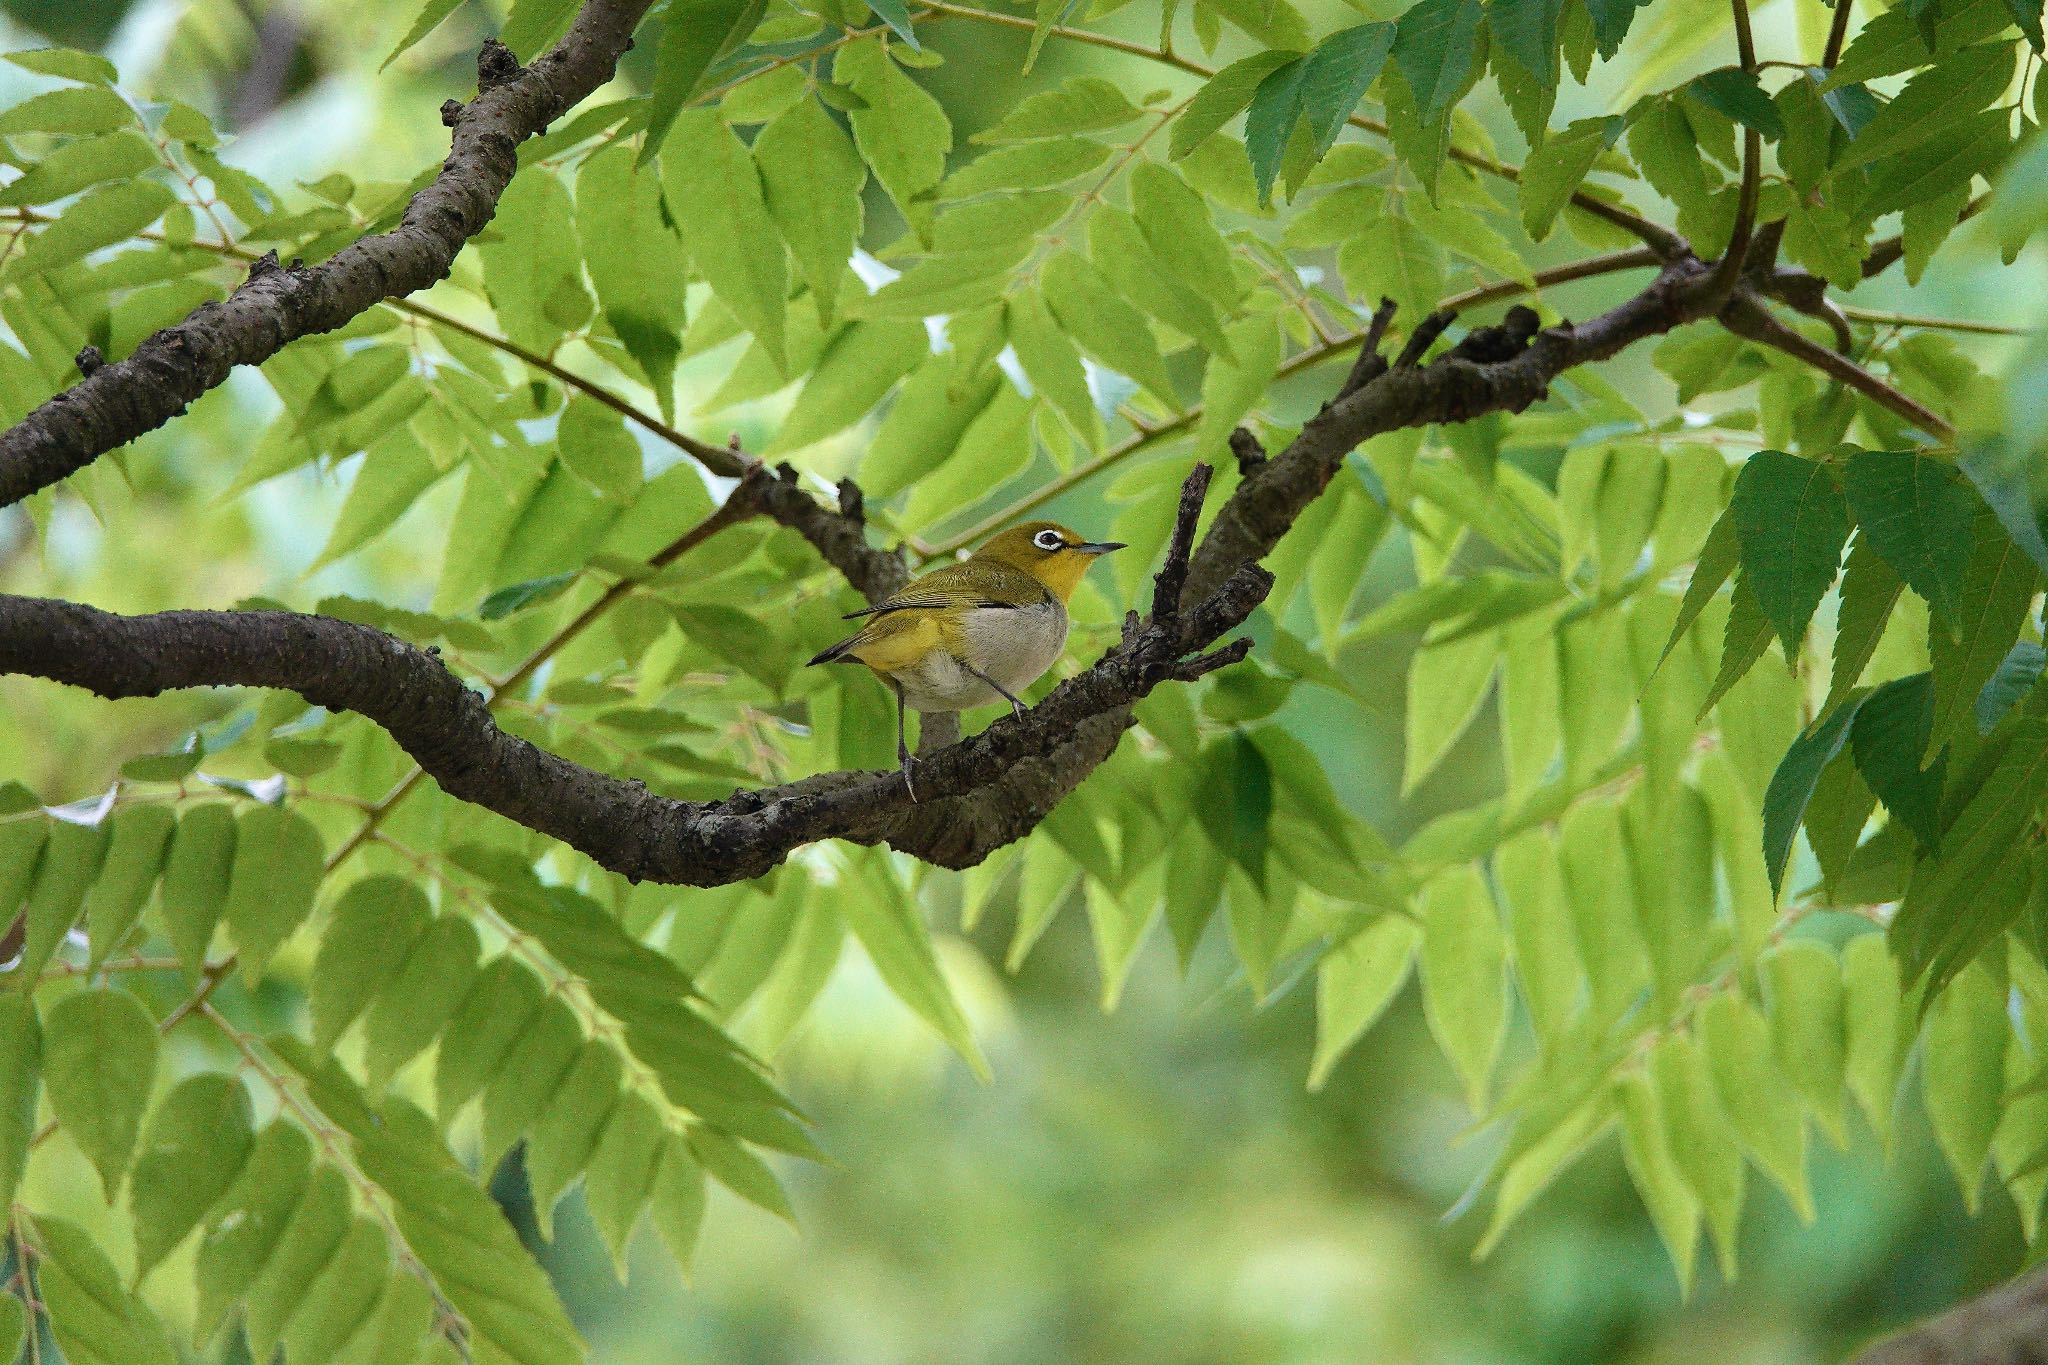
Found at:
(913, 602)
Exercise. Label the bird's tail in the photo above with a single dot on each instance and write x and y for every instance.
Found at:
(837, 654)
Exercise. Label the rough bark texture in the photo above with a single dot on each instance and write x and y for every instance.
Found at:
(2008, 1326)
(113, 404)
(976, 795)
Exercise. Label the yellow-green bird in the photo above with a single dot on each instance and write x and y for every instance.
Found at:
(973, 632)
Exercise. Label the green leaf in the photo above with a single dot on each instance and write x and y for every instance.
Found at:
(727, 227)
(1269, 124)
(1870, 587)
(279, 861)
(99, 218)
(1464, 988)
(1611, 20)
(1893, 40)
(339, 1300)
(531, 259)
(695, 34)
(621, 1173)
(135, 855)
(1702, 1141)
(1998, 586)
(66, 63)
(196, 1145)
(70, 862)
(1717, 560)
(517, 597)
(76, 165)
(888, 925)
(565, 1134)
(92, 1316)
(374, 925)
(1235, 802)
(1446, 684)
(1224, 97)
(458, 1233)
(196, 880)
(79, 110)
(925, 425)
(1175, 220)
(1557, 168)
(395, 471)
(1103, 324)
(1355, 982)
(1793, 783)
(99, 1059)
(903, 133)
(1803, 982)
(1875, 1020)
(1546, 959)
(1893, 726)
(1732, 91)
(1082, 104)
(597, 448)
(533, 24)
(250, 1220)
(430, 976)
(635, 260)
(811, 180)
(1434, 50)
(860, 365)
(430, 17)
(896, 15)
(1963, 1073)
(21, 1047)
(1791, 523)
(1646, 1150)
(1934, 100)
(2017, 673)
(1758, 1099)
(1336, 75)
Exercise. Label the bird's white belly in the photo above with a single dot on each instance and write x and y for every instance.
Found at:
(1013, 645)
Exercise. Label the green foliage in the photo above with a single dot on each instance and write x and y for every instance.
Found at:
(1647, 887)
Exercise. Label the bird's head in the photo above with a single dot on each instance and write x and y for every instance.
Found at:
(1048, 552)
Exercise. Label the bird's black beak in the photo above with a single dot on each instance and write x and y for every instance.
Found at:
(1099, 547)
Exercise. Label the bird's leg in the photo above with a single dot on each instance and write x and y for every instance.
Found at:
(1016, 706)
(902, 738)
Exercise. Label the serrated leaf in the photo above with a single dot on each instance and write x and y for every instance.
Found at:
(1355, 982)
(195, 883)
(21, 1053)
(1434, 51)
(1791, 523)
(94, 1320)
(279, 861)
(1557, 168)
(695, 35)
(728, 229)
(135, 855)
(1919, 515)
(197, 1144)
(1336, 75)
(2016, 675)
(1998, 586)
(811, 179)
(1732, 91)
(1893, 725)
(903, 133)
(99, 1060)
(1082, 104)
(1224, 96)
(1462, 967)
(1270, 121)
(1793, 783)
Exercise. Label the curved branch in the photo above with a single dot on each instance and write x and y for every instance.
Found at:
(1746, 316)
(2007, 1326)
(977, 795)
(277, 305)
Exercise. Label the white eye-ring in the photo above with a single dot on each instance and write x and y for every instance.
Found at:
(1048, 540)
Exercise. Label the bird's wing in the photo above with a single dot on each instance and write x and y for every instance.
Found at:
(897, 641)
(975, 583)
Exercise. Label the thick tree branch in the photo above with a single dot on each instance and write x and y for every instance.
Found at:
(2007, 1326)
(976, 795)
(277, 305)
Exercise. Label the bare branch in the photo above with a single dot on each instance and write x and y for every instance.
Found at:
(2007, 1326)
(1172, 578)
(172, 368)
(1747, 316)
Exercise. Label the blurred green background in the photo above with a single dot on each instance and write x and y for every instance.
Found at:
(1153, 1185)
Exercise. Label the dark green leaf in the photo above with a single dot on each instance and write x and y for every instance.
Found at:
(695, 34)
(1918, 514)
(1434, 50)
(2016, 676)
(1793, 783)
(1336, 75)
(1791, 523)
(1235, 806)
(1222, 99)
(1736, 93)
(1718, 558)
(1275, 109)
(1892, 729)
(519, 596)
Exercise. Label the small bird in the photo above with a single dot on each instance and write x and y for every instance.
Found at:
(976, 631)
